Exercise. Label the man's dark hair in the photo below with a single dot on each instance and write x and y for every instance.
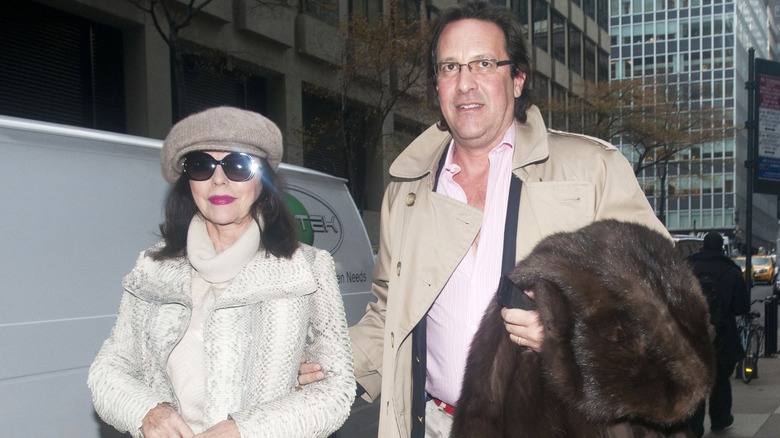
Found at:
(713, 241)
(278, 235)
(516, 46)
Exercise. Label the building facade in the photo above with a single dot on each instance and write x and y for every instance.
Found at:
(700, 47)
(103, 64)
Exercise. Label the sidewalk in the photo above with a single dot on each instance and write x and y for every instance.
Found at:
(756, 406)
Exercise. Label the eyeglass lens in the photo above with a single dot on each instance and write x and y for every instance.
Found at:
(477, 66)
(238, 167)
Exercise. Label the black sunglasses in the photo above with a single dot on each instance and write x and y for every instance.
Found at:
(238, 166)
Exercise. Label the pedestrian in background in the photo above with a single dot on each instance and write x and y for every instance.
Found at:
(728, 300)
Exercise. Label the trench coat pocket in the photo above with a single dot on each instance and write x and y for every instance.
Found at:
(559, 205)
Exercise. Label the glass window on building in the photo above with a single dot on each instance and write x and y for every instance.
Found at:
(695, 61)
(371, 10)
(575, 50)
(695, 26)
(685, 31)
(61, 68)
(695, 91)
(729, 58)
(589, 63)
(520, 7)
(324, 10)
(671, 29)
(725, 149)
(649, 33)
(589, 7)
(729, 89)
(706, 26)
(603, 14)
(717, 58)
(636, 33)
(649, 5)
(625, 7)
(625, 34)
(558, 37)
(540, 87)
(636, 6)
(540, 24)
(410, 9)
(706, 60)
(660, 31)
(603, 66)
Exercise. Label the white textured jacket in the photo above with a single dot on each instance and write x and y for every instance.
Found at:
(274, 312)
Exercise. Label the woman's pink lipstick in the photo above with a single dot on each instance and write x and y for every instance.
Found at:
(221, 200)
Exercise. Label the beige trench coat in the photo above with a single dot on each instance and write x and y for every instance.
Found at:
(569, 181)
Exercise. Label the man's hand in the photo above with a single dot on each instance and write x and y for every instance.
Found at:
(163, 421)
(309, 373)
(524, 326)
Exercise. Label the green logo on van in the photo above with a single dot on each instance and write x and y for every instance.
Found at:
(305, 234)
(316, 222)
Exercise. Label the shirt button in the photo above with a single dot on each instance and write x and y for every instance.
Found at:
(410, 198)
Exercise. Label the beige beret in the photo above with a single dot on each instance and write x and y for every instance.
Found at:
(220, 129)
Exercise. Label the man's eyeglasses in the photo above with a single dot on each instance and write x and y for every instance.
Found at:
(448, 69)
(238, 166)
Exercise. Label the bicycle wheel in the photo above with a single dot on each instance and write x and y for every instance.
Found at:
(749, 365)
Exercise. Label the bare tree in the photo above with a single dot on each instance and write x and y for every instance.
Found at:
(656, 120)
(383, 71)
(169, 18)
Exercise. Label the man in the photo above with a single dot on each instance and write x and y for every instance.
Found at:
(490, 161)
(731, 299)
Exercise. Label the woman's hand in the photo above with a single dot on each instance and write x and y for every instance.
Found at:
(163, 421)
(223, 429)
(309, 373)
(524, 326)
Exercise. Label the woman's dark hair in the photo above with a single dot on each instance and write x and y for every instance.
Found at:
(278, 237)
(516, 46)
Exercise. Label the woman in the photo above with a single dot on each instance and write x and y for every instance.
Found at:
(214, 318)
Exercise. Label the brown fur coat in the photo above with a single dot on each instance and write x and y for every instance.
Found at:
(627, 348)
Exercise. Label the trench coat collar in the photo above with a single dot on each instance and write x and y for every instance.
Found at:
(422, 155)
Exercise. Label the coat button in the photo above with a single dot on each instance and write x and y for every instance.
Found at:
(398, 269)
(410, 198)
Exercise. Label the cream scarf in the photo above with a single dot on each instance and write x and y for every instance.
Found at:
(211, 275)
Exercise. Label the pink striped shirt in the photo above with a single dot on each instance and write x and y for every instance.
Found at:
(454, 318)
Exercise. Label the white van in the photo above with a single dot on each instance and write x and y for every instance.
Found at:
(78, 207)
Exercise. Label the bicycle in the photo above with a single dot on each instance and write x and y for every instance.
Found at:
(751, 335)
